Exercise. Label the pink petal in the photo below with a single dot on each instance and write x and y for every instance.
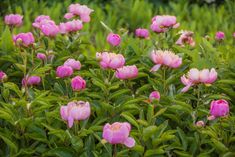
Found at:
(129, 142)
(155, 68)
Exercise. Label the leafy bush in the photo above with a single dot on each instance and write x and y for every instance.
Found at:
(31, 124)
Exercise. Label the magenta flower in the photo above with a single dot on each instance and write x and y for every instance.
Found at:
(200, 123)
(166, 58)
(154, 95)
(142, 33)
(13, 20)
(219, 35)
(118, 133)
(64, 71)
(41, 56)
(186, 37)
(23, 39)
(76, 65)
(195, 76)
(40, 20)
(81, 10)
(75, 110)
(126, 72)
(3, 76)
(219, 108)
(113, 39)
(68, 16)
(78, 83)
(31, 80)
(71, 26)
(163, 23)
(110, 60)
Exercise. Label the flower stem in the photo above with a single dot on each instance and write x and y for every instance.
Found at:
(115, 151)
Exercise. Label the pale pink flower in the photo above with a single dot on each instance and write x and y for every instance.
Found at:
(142, 33)
(75, 110)
(49, 29)
(78, 83)
(166, 58)
(40, 20)
(71, 26)
(110, 60)
(75, 64)
(13, 20)
(23, 39)
(127, 72)
(200, 123)
(163, 23)
(186, 37)
(118, 133)
(219, 108)
(81, 10)
(68, 16)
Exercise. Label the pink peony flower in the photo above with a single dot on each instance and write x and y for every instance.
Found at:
(3, 76)
(126, 72)
(31, 80)
(40, 20)
(13, 20)
(219, 35)
(41, 56)
(113, 39)
(118, 133)
(68, 16)
(71, 26)
(78, 83)
(200, 123)
(64, 71)
(154, 95)
(23, 39)
(186, 37)
(76, 65)
(75, 110)
(110, 60)
(219, 108)
(81, 10)
(166, 58)
(142, 33)
(163, 23)
(195, 76)
(49, 28)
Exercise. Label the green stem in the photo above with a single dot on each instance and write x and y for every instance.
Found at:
(115, 151)
(164, 80)
(76, 127)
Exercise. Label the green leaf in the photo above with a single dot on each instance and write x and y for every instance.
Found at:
(7, 42)
(130, 119)
(60, 152)
(9, 142)
(149, 131)
(183, 138)
(151, 152)
(218, 145)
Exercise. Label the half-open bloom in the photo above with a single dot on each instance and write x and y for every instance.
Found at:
(64, 71)
(70, 26)
(219, 108)
(113, 39)
(186, 37)
(163, 23)
(78, 83)
(110, 60)
(13, 20)
(126, 72)
(118, 133)
(75, 64)
(81, 10)
(23, 39)
(154, 95)
(142, 33)
(219, 35)
(75, 110)
(31, 80)
(40, 20)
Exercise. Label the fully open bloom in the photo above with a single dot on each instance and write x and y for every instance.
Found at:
(163, 23)
(75, 110)
(41, 56)
(81, 10)
(219, 35)
(76, 65)
(113, 39)
(127, 72)
(154, 95)
(118, 133)
(3, 76)
(186, 37)
(166, 58)
(64, 71)
(142, 33)
(70, 26)
(31, 80)
(23, 39)
(40, 20)
(78, 83)
(195, 76)
(110, 60)
(219, 108)
(13, 20)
